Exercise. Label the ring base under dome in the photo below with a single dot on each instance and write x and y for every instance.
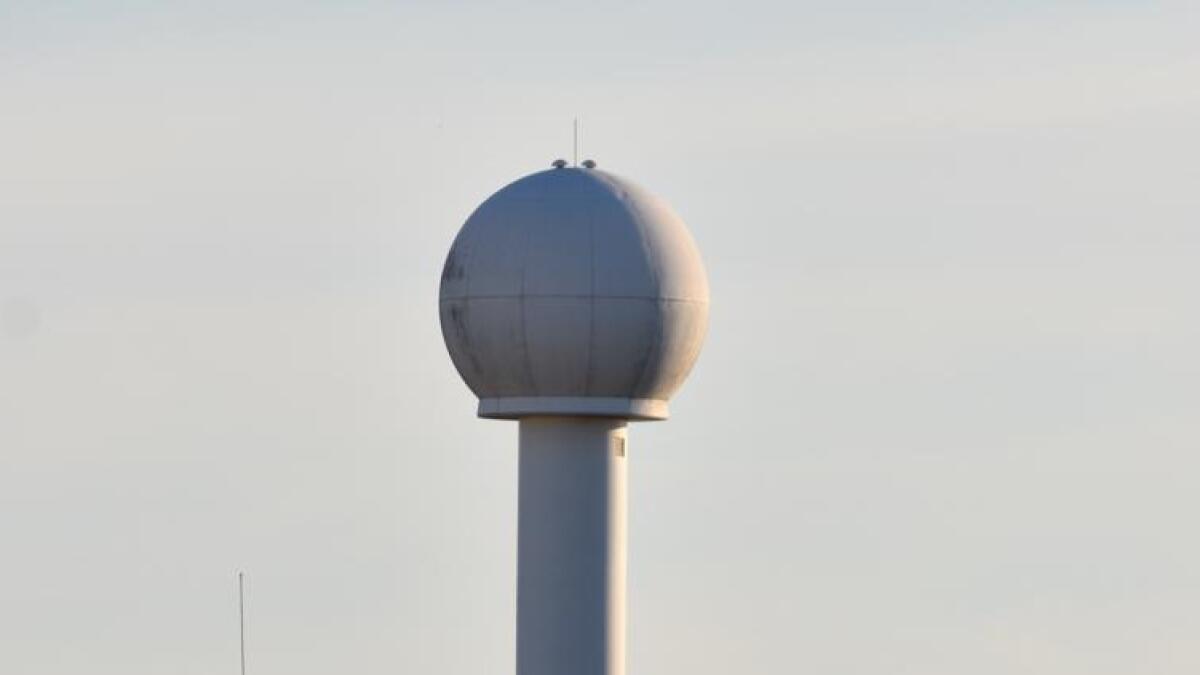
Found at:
(512, 408)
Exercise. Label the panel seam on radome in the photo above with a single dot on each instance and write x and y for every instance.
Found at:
(656, 273)
(530, 383)
(591, 362)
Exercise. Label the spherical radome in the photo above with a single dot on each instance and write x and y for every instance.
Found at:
(574, 292)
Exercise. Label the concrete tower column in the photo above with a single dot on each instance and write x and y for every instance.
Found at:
(571, 546)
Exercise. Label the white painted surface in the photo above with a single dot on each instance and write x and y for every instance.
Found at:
(574, 291)
(573, 301)
(571, 551)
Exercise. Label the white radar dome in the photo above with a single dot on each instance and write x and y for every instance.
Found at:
(574, 292)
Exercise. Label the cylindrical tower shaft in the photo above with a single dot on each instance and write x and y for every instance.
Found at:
(571, 537)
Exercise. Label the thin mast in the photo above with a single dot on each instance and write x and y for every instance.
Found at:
(242, 622)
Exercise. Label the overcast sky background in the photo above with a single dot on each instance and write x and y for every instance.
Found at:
(945, 422)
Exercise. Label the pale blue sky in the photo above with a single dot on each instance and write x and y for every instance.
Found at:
(945, 421)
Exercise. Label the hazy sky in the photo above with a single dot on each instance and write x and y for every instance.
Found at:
(946, 420)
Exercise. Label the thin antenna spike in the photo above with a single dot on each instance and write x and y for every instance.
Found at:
(242, 621)
(575, 145)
